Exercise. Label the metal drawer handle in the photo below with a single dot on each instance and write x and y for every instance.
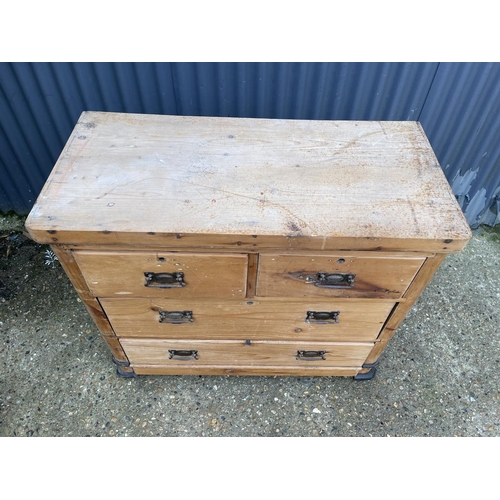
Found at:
(181, 354)
(176, 317)
(164, 280)
(311, 355)
(322, 317)
(332, 280)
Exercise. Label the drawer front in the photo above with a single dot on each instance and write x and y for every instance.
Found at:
(271, 319)
(335, 276)
(257, 353)
(163, 274)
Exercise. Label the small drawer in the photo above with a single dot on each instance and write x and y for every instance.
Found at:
(256, 353)
(162, 274)
(361, 276)
(264, 319)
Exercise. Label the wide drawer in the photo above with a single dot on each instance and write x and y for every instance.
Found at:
(342, 275)
(256, 353)
(163, 274)
(271, 319)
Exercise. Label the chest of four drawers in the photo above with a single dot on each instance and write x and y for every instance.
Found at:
(204, 245)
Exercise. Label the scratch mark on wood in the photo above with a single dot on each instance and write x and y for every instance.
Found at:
(414, 216)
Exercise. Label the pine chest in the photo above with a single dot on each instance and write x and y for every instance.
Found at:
(204, 245)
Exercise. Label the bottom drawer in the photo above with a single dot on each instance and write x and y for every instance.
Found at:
(269, 371)
(205, 353)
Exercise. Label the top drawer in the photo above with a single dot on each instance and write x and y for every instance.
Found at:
(360, 276)
(163, 274)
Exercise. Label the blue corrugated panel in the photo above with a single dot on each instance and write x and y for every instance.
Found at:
(457, 104)
(321, 91)
(462, 120)
(40, 102)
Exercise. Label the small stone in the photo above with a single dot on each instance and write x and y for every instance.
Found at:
(315, 410)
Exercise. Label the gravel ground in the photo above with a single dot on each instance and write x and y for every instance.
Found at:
(438, 377)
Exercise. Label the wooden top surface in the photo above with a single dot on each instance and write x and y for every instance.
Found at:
(279, 180)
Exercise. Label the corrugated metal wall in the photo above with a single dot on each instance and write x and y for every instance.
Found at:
(461, 117)
(457, 104)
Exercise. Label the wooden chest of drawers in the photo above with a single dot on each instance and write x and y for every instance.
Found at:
(208, 245)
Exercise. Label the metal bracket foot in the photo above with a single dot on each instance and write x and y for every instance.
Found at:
(120, 371)
(366, 376)
(119, 363)
(369, 374)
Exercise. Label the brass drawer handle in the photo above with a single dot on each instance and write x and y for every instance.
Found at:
(322, 317)
(164, 280)
(311, 355)
(176, 317)
(181, 354)
(332, 280)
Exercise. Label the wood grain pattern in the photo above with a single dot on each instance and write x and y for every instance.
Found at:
(245, 370)
(358, 320)
(311, 182)
(121, 274)
(92, 305)
(425, 274)
(253, 266)
(257, 353)
(244, 243)
(229, 249)
(376, 277)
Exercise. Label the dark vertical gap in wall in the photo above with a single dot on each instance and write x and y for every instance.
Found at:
(428, 92)
(156, 73)
(98, 91)
(121, 98)
(140, 93)
(173, 88)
